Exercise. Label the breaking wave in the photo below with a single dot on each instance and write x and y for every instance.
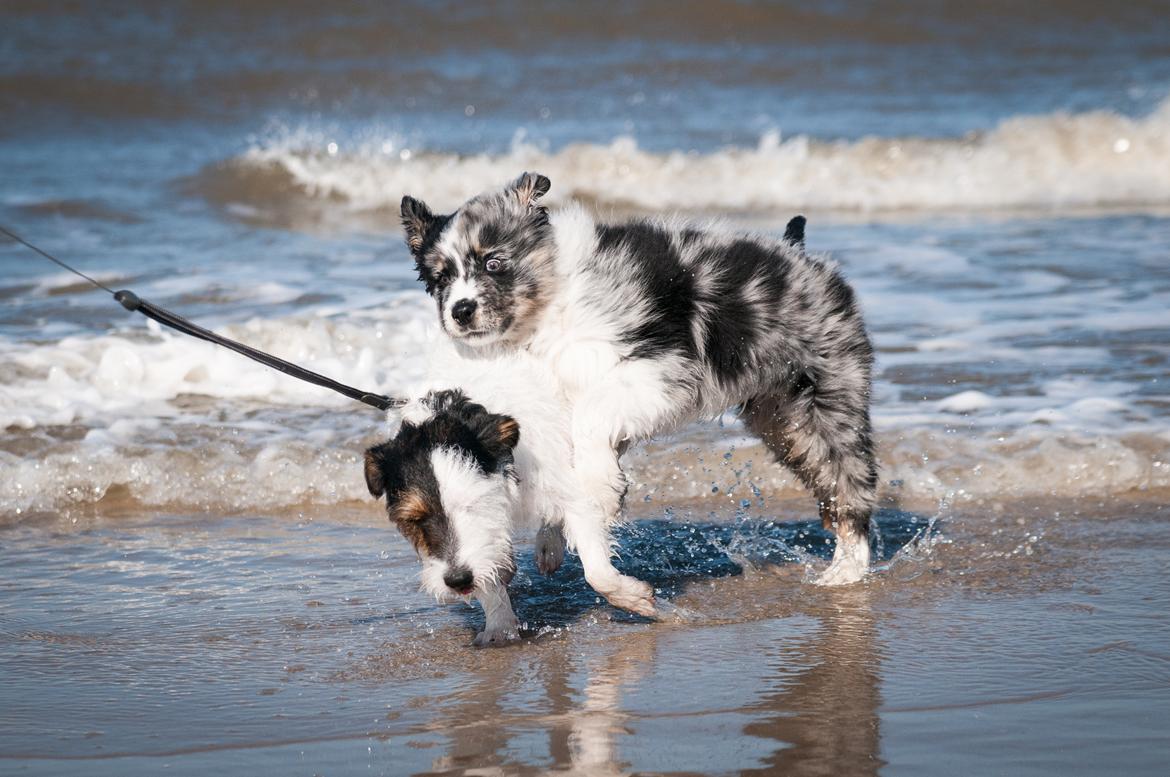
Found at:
(1096, 159)
(288, 460)
(155, 419)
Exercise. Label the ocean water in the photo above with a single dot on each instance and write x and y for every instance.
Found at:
(994, 181)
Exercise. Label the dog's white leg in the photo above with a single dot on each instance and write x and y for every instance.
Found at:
(850, 560)
(587, 534)
(501, 625)
(550, 548)
(633, 403)
(599, 472)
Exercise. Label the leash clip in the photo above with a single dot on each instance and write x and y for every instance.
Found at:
(129, 299)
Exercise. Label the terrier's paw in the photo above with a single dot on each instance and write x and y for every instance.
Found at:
(633, 595)
(497, 636)
(550, 548)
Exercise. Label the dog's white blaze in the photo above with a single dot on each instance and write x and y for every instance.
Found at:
(452, 246)
(477, 506)
(461, 289)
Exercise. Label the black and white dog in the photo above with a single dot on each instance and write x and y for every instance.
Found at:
(650, 324)
(462, 480)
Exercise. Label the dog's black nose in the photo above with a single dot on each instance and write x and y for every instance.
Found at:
(463, 310)
(459, 579)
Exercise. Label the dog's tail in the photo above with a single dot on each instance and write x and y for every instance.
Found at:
(794, 232)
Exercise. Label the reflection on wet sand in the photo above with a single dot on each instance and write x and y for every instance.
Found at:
(810, 698)
(600, 719)
(572, 729)
(829, 716)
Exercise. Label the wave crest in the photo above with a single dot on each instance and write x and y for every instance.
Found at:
(1097, 159)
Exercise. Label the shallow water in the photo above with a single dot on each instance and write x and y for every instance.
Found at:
(1021, 639)
(195, 578)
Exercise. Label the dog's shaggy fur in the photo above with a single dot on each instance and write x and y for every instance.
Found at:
(649, 324)
(462, 480)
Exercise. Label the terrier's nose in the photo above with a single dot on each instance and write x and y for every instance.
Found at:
(462, 311)
(459, 580)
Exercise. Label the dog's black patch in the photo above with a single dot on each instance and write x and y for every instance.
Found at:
(423, 230)
(404, 476)
(668, 285)
(734, 326)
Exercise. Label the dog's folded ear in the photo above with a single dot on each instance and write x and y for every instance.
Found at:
(530, 187)
(375, 460)
(499, 435)
(503, 434)
(507, 431)
(416, 222)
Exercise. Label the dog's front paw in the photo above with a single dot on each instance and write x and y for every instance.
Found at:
(550, 548)
(632, 594)
(497, 635)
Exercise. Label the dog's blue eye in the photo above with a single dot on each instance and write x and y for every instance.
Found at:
(493, 265)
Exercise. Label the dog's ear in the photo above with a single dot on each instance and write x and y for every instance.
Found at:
(375, 457)
(530, 187)
(499, 435)
(794, 232)
(506, 431)
(417, 220)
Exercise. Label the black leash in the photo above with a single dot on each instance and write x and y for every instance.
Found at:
(134, 303)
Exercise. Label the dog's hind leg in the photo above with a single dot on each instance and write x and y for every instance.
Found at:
(500, 623)
(550, 548)
(587, 534)
(821, 430)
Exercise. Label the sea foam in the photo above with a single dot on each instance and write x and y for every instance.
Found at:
(1095, 159)
(153, 418)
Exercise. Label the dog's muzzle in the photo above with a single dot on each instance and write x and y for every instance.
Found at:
(460, 580)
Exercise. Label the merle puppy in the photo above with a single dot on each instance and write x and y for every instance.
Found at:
(650, 324)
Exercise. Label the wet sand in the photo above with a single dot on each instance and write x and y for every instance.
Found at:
(1016, 638)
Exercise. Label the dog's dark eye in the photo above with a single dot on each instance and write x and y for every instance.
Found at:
(493, 265)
